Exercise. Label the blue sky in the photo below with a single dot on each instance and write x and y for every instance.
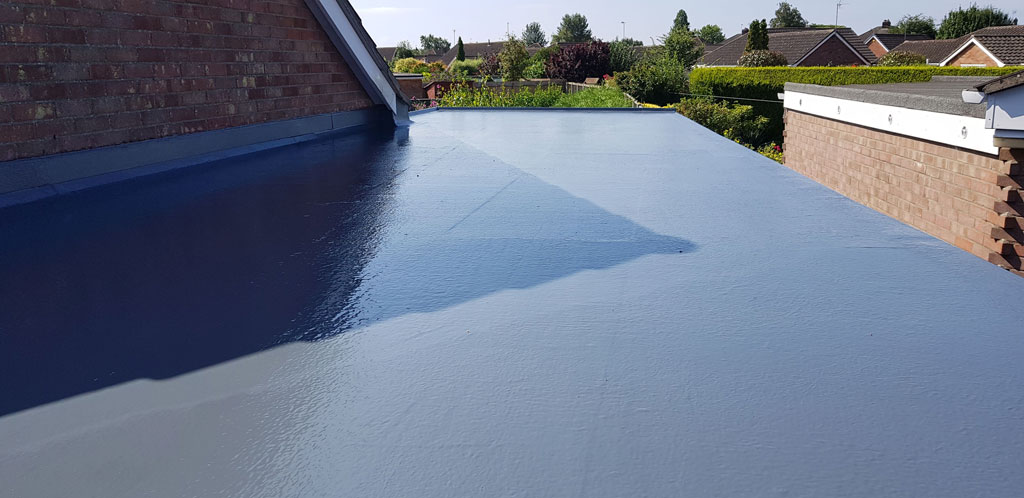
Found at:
(390, 21)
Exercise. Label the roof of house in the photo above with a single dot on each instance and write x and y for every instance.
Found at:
(387, 53)
(891, 41)
(942, 94)
(793, 43)
(479, 50)
(639, 308)
(1006, 43)
(1002, 83)
(885, 28)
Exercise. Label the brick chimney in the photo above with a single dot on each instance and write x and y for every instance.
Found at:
(886, 23)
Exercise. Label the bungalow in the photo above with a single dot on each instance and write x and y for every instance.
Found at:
(801, 47)
(882, 43)
(480, 50)
(388, 53)
(996, 46)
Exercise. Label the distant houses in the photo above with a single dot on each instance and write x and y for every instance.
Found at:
(800, 46)
(996, 46)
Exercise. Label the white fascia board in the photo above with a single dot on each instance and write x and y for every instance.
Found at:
(963, 47)
(344, 27)
(953, 130)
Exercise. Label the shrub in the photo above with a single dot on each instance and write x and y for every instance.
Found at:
(467, 96)
(763, 58)
(535, 69)
(901, 58)
(513, 59)
(490, 65)
(683, 47)
(622, 56)
(737, 122)
(578, 62)
(767, 82)
(466, 68)
(656, 79)
(595, 97)
(772, 151)
(410, 65)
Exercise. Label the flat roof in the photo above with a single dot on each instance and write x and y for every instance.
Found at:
(941, 94)
(498, 303)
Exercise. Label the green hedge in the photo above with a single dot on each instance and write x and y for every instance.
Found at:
(767, 82)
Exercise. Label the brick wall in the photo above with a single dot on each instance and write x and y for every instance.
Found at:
(973, 55)
(963, 197)
(832, 53)
(877, 48)
(77, 74)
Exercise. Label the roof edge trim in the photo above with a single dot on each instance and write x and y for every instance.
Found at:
(963, 47)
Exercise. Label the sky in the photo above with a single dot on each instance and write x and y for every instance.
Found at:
(391, 21)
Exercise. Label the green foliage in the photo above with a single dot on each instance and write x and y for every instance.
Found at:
(467, 96)
(710, 34)
(763, 58)
(962, 21)
(918, 24)
(772, 151)
(757, 36)
(534, 35)
(461, 54)
(657, 79)
(404, 51)
(594, 97)
(574, 29)
(512, 59)
(738, 122)
(435, 44)
(535, 69)
(681, 21)
(901, 58)
(465, 68)
(490, 65)
(683, 47)
(787, 16)
(622, 56)
(767, 82)
(410, 65)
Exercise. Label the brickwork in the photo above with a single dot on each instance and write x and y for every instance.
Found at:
(832, 53)
(973, 55)
(78, 74)
(957, 195)
(876, 48)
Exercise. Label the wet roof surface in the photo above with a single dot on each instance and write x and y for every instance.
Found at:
(500, 304)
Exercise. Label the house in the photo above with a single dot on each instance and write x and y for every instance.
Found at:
(996, 46)
(139, 104)
(884, 29)
(928, 154)
(800, 46)
(481, 50)
(881, 44)
(388, 53)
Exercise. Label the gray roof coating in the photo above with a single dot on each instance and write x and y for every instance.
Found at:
(941, 94)
(639, 308)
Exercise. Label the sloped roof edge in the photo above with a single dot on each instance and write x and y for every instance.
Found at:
(346, 31)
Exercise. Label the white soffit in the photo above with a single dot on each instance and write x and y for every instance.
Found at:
(950, 129)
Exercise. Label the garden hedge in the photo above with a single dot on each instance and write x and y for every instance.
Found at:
(767, 82)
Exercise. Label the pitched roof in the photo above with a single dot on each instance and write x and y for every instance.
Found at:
(934, 51)
(794, 43)
(387, 53)
(473, 50)
(891, 41)
(1002, 83)
(1004, 42)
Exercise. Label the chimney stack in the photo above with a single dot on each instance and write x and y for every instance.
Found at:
(886, 23)
(745, 31)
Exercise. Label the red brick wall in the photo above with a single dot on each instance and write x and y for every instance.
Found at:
(78, 74)
(974, 55)
(832, 53)
(877, 48)
(951, 193)
(412, 87)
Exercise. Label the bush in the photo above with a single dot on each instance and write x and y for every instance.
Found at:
(656, 79)
(737, 122)
(467, 96)
(513, 59)
(410, 65)
(490, 65)
(595, 97)
(767, 82)
(535, 69)
(466, 68)
(579, 62)
(683, 47)
(763, 58)
(901, 58)
(622, 56)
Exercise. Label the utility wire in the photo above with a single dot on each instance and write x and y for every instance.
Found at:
(731, 98)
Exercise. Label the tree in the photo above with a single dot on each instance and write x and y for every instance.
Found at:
(579, 62)
(404, 51)
(787, 16)
(681, 22)
(622, 56)
(435, 44)
(574, 29)
(512, 59)
(918, 24)
(657, 79)
(710, 34)
(960, 22)
(757, 36)
(683, 47)
(461, 55)
(630, 41)
(533, 35)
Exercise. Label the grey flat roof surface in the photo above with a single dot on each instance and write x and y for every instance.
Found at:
(500, 303)
(941, 94)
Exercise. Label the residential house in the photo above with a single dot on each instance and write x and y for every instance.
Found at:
(800, 46)
(884, 29)
(882, 43)
(388, 53)
(480, 50)
(996, 46)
